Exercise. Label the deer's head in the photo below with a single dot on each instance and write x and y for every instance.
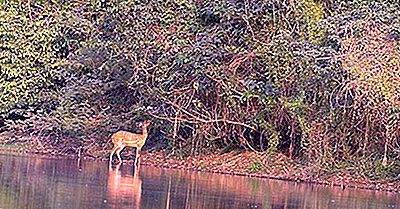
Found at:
(146, 123)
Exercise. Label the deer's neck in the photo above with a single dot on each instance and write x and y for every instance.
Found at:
(144, 131)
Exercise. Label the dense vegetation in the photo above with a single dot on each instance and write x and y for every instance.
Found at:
(316, 80)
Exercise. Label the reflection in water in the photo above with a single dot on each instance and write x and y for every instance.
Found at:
(27, 182)
(124, 187)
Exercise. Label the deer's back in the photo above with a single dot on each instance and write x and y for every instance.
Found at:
(126, 137)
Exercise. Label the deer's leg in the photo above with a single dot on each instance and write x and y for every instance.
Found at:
(138, 153)
(119, 153)
(112, 153)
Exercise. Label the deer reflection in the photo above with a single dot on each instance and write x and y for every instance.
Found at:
(125, 190)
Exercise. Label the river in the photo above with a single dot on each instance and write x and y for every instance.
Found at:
(36, 182)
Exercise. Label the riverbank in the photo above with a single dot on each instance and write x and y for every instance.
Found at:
(263, 166)
(252, 164)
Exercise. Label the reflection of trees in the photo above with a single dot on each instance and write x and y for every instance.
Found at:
(40, 183)
(183, 189)
(19, 184)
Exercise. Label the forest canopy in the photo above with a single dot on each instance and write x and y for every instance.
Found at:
(316, 80)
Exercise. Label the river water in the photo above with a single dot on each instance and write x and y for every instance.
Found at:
(34, 182)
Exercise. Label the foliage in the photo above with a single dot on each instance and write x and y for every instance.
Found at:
(256, 166)
(317, 80)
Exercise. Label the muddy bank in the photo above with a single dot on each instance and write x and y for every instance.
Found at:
(261, 165)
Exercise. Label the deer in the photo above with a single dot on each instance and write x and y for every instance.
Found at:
(122, 139)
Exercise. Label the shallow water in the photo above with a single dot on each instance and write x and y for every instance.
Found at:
(33, 182)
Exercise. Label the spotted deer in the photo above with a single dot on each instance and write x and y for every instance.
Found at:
(122, 139)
